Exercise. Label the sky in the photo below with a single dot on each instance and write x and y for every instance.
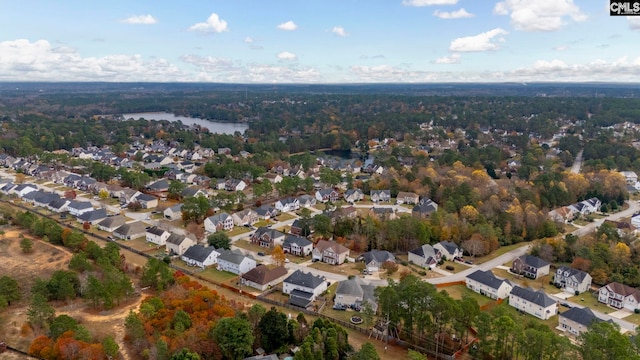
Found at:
(317, 41)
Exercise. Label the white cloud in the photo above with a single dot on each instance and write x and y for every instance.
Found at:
(634, 22)
(560, 48)
(23, 60)
(539, 15)
(213, 25)
(288, 26)
(482, 42)
(285, 55)
(458, 14)
(248, 40)
(140, 20)
(340, 31)
(597, 70)
(420, 3)
(453, 59)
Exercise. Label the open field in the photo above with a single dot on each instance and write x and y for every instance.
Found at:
(237, 230)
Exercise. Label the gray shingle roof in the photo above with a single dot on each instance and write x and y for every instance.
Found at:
(449, 246)
(307, 280)
(292, 239)
(533, 261)
(79, 205)
(350, 287)
(486, 278)
(378, 255)
(198, 252)
(131, 229)
(582, 316)
(176, 239)
(569, 272)
(234, 257)
(424, 251)
(536, 297)
(112, 221)
(93, 215)
(156, 231)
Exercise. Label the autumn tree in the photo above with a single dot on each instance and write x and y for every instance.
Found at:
(390, 266)
(278, 255)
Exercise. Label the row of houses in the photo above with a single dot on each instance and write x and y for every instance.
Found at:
(569, 213)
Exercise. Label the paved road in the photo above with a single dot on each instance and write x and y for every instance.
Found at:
(577, 163)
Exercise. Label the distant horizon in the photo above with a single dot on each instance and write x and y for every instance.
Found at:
(318, 42)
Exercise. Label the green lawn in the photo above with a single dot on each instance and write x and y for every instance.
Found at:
(458, 291)
(244, 244)
(541, 283)
(523, 318)
(262, 223)
(501, 250)
(218, 276)
(238, 230)
(633, 318)
(591, 301)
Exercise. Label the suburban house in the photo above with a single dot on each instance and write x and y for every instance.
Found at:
(426, 256)
(130, 231)
(234, 185)
(273, 178)
(576, 320)
(23, 189)
(262, 277)
(146, 201)
(111, 223)
(630, 177)
(59, 205)
(218, 222)
(325, 195)
(382, 213)
(93, 217)
(77, 208)
(161, 185)
(297, 245)
(267, 237)
(266, 212)
(424, 208)
(535, 303)
(307, 201)
(572, 280)
(620, 296)
(303, 288)
(374, 259)
(329, 252)
(380, 196)
(173, 212)
(530, 266)
(407, 198)
(298, 225)
(245, 217)
(235, 262)
(563, 214)
(348, 212)
(449, 250)
(157, 236)
(354, 293)
(178, 244)
(587, 207)
(198, 255)
(353, 195)
(192, 191)
(487, 284)
(287, 204)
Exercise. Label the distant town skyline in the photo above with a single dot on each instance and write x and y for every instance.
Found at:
(311, 41)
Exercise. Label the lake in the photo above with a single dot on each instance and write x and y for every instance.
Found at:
(213, 126)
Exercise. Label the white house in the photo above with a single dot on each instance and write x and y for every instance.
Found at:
(287, 204)
(77, 208)
(426, 256)
(174, 212)
(218, 222)
(157, 236)
(535, 303)
(374, 259)
(620, 296)
(235, 262)
(303, 288)
(487, 284)
(587, 207)
(307, 201)
(630, 177)
(297, 245)
(198, 255)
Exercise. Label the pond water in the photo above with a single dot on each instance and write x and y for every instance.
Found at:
(213, 126)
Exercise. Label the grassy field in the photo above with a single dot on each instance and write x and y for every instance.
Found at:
(540, 283)
(219, 276)
(244, 244)
(344, 269)
(238, 230)
(633, 318)
(286, 216)
(502, 250)
(458, 291)
(590, 300)
(457, 267)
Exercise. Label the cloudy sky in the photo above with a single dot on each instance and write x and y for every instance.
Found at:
(317, 41)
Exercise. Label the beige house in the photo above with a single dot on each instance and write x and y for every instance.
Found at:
(178, 244)
(262, 277)
(329, 252)
(576, 321)
(487, 284)
(535, 303)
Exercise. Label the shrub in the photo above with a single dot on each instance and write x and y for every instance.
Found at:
(449, 267)
(404, 263)
(423, 273)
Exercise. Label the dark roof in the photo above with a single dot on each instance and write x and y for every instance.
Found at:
(45, 197)
(424, 251)
(425, 206)
(378, 255)
(569, 272)
(300, 298)
(57, 204)
(159, 185)
(292, 239)
(307, 280)
(190, 191)
(272, 233)
(176, 239)
(234, 257)
(145, 197)
(131, 228)
(351, 287)
(536, 297)
(112, 221)
(583, 316)
(80, 205)
(533, 261)
(198, 252)
(486, 278)
(261, 274)
(93, 215)
(449, 246)
(156, 231)
(624, 290)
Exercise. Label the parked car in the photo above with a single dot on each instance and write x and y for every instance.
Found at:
(340, 307)
(260, 253)
(111, 238)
